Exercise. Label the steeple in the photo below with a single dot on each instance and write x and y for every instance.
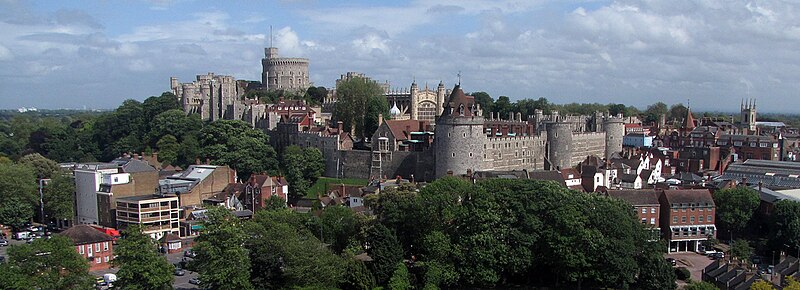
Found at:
(688, 123)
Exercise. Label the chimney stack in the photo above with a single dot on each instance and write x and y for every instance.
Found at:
(340, 125)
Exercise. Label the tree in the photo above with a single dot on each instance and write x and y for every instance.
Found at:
(173, 122)
(43, 167)
(140, 265)
(357, 276)
(502, 107)
(168, 148)
(314, 164)
(655, 273)
(353, 98)
(484, 100)
(339, 226)
(376, 106)
(51, 264)
(735, 207)
(785, 228)
(400, 278)
(385, 251)
(18, 193)
(700, 285)
(302, 167)
(222, 261)
(316, 95)
(762, 285)
(792, 284)
(654, 112)
(153, 106)
(58, 198)
(677, 112)
(741, 249)
(234, 143)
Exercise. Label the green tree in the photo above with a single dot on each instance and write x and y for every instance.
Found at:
(741, 249)
(18, 191)
(677, 112)
(762, 285)
(314, 164)
(316, 95)
(376, 106)
(353, 103)
(654, 112)
(400, 278)
(51, 264)
(43, 167)
(484, 100)
(655, 273)
(234, 143)
(302, 168)
(339, 226)
(357, 276)
(168, 148)
(735, 207)
(140, 265)
(173, 122)
(153, 106)
(385, 251)
(502, 107)
(58, 198)
(222, 261)
(700, 285)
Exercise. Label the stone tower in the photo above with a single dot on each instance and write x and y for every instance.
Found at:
(414, 101)
(748, 117)
(615, 132)
(459, 136)
(283, 73)
(440, 95)
(559, 141)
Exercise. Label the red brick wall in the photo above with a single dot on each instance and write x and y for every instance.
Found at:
(651, 212)
(103, 254)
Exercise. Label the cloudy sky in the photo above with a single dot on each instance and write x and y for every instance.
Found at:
(71, 54)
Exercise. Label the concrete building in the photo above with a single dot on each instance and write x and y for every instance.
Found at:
(197, 183)
(283, 73)
(97, 185)
(96, 247)
(157, 214)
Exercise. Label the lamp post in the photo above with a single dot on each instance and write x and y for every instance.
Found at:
(42, 183)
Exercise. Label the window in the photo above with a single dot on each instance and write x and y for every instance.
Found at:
(691, 219)
(652, 221)
(709, 219)
(106, 259)
(675, 220)
(454, 154)
(89, 250)
(652, 210)
(644, 220)
(97, 247)
(98, 260)
(105, 246)
(683, 219)
(80, 248)
(644, 210)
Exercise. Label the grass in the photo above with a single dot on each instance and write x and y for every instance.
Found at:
(319, 187)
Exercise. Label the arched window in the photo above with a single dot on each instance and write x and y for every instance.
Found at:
(461, 109)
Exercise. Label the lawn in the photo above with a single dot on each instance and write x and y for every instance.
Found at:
(319, 187)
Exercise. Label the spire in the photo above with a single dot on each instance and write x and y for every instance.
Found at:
(689, 120)
(741, 107)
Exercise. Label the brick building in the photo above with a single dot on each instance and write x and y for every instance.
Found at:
(688, 218)
(646, 205)
(95, 246)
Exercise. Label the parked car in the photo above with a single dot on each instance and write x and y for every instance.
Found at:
(756, 259)
(710, 252)
(194, 281)
(179, 272)
(3, 242)
(717, 255)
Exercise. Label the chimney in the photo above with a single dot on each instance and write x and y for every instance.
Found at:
(208, 161)
(380, 119)
(760, 184)
(340, 125)
(135, 155)
(408, 132)
(449, 173)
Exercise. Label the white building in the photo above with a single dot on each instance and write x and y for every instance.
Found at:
(91, 180)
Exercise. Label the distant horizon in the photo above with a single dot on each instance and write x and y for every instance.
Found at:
(97, 54)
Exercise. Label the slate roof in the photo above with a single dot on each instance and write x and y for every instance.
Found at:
(773, 174)
(170, 237)
(401, 129)
(636, 197)
(85, 234)
(629, 178)
(688, 196)
(550, 175)
(454, 102)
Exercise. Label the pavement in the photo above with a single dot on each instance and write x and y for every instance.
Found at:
(694, 262)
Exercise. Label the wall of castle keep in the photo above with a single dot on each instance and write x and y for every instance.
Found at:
(515, 153)
(585, 144)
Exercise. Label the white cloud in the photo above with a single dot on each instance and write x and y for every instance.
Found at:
(5, 53)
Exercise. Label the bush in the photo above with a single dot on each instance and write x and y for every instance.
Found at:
(682, 273)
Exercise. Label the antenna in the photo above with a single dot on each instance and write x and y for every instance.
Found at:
(688, 103)
(270, 36)
(459, 78)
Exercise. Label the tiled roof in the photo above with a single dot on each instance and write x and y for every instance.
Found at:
(85, 234)
(636, 197)
(688, 196)
(401, 129)
(455, 102)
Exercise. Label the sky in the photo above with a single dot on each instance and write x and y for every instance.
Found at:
(709, 53)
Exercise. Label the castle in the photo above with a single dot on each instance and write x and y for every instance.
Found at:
(283, 73)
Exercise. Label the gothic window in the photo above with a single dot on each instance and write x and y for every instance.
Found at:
(461, 109)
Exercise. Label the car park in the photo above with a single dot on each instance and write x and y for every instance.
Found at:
(672, 261)
(194, 281)
(3, 242)
(189, 253)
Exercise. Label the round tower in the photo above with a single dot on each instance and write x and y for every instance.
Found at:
(459, 137)
(615, 131)
(559, 143)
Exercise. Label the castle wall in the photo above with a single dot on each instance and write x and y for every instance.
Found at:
(281, 73)
(615, 133)
(515, 153)
(459, 143)
(559, 145)
(356, 164)
(585, 144)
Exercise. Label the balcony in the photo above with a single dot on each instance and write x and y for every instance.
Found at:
(152, 209)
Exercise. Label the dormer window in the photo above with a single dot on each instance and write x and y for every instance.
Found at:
(461, 109)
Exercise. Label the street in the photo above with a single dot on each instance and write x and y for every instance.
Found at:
(180, 283)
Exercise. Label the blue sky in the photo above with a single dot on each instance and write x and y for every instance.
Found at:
(71, 54)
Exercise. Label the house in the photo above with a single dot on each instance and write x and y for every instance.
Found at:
(402, 135)
(98, 185)
(646, 205)
(95, 246)
(254, 194)
(158, 215)
(171, 243)
(572, 178)
(687, 218)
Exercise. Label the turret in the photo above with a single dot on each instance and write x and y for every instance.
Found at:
(440, 94)
(615, 132)
(459, 136)
(559, 145)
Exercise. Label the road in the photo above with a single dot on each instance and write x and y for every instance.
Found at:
(694, 262)
(180, 283)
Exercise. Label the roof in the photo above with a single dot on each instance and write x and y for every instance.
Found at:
(688, 196)
(134, 166)
(170, 237)
(636, 197)
(565, 173)
(550, 175)
(500, 174)
(136, 198)
(85, 234)
(401, 129)
(629, 178)
(688, 123)
(459, 104)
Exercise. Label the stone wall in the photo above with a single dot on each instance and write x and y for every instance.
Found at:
(515, 153)
(357, 164)
(586, 144)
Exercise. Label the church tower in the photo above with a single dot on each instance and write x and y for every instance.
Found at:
(748, 115)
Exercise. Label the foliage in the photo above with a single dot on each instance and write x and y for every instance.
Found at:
(43, 167)
(385, 251)
(785, 229)
(222, 261)
(303, 166)
(275, 203)
(339, 226)
(316, 95)
(235, 144)
(18, 191)
(502, 106)
(700, 285)
(791, 284)
(741, 249)
(168, 149)
(357, 276)
(677, 112)
(58, 198)
(140, 265)
(655, 272)
(353, 103)
(682, 273)
(654, 112)
(762, 285)
(400, 278)
(735, 207)
(50, 264)
(484, 100)
(376, 106)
